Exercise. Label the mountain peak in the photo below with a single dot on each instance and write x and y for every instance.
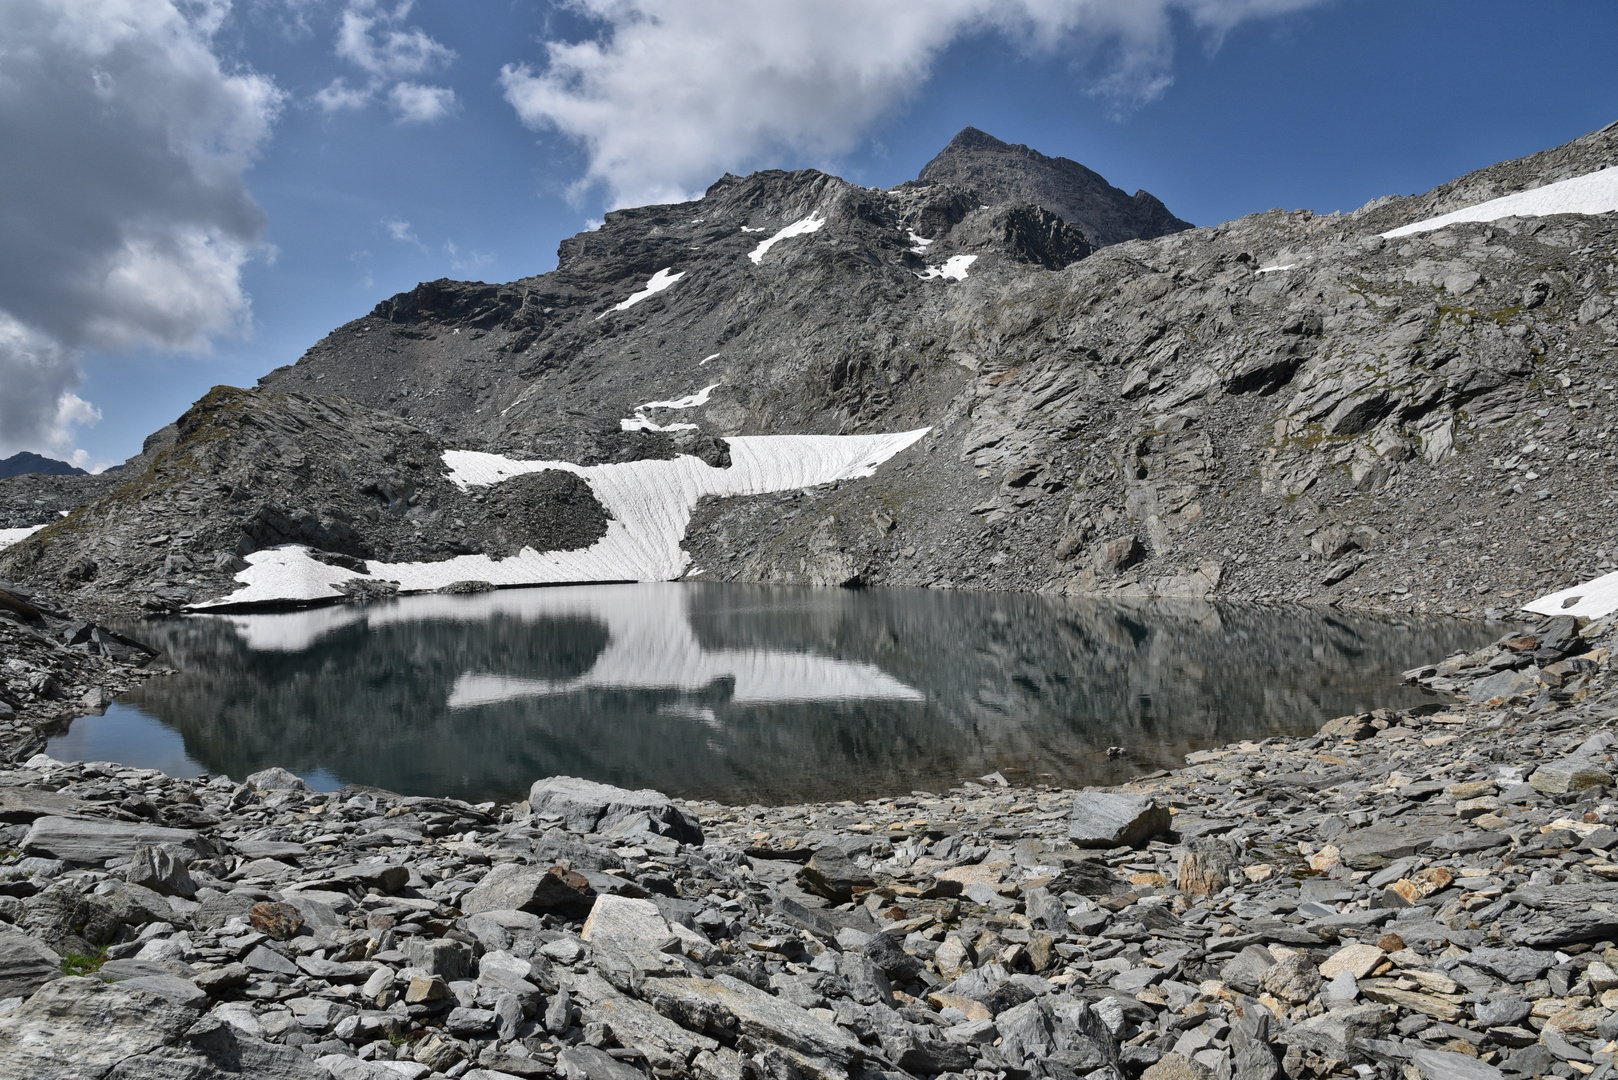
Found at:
(24, 462)
(1012, 172)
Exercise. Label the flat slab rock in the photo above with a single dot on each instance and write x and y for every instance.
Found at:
(74, 1028)
(1104, 819)
(80, 840)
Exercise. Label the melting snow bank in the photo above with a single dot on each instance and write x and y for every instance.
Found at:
(1592, 600)
(658, 282)
(954, 268)
(810, 224)
(17, 536)
(649, 504)
(1596, 193)
(641, 422)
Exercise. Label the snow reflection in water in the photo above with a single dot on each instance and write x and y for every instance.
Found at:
(746, 693)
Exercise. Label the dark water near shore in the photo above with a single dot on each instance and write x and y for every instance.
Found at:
(746, 693)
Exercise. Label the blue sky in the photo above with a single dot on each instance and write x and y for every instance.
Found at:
(1218, 107)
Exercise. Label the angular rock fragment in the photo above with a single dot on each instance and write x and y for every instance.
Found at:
(1106, 819)
(514, 887)
(588, 807)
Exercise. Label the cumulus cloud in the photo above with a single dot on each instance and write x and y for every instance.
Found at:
(375, 40)
(670, 93)
(126, 221)
(418, 104)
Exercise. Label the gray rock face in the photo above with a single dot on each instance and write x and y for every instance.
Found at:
(1104, 819)
(1001, 172)
(511, 887)
(73, 1029)
(92, 841)
(1569, 774)
(1506, 684)
(1448, 1065)
(159, 870)
(1131, 392)
(588, 807)
(26, 964)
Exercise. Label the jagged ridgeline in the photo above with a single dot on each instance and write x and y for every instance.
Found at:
(1289, 405)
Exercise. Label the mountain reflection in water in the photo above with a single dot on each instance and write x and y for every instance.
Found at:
(754, 693)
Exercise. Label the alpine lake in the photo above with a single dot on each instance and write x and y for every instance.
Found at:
(746, 694)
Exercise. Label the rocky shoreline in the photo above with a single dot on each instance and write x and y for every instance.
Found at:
(1416, 894)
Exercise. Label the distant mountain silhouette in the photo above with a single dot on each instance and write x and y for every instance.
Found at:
(24, 462)
(1003, 172)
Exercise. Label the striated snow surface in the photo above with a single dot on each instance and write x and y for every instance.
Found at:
(954, 268)
(810, 224)
(15, 536)
(659, 281)
(1595, 193)
(649, 505)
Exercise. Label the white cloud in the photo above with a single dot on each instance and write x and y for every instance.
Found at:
(418, 104)
(138, 220)
(671, 94)
(370, 39)
(401, 231)
(338, 95)
(373, 38)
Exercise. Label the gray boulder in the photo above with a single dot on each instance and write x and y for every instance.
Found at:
(1505, 684)
(277, 780)
(588, 807)
(1448, 1065)
(76, 1028)
(90, 841)
(1569, 774)
(513, 887)
(1103, 819)
(161, 871)
(26, 964)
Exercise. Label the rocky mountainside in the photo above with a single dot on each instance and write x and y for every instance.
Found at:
(1287, 406)
(1002, 172)
(24, 462)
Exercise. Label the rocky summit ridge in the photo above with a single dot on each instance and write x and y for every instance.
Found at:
(1288, 406)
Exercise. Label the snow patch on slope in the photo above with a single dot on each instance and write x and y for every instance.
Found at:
(1591, 600)
(648, 504)
(1594, 193)
(17, 536)
(954, 268)
(810, 224)
(659, 281)
(641, 422)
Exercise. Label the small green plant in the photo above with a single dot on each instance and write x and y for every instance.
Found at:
(77, 964)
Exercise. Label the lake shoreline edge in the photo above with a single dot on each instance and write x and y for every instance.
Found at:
(1421, 893)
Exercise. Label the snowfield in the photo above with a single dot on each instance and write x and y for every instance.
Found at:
(17, 536)
(1591, 600)
(810, 224)
(1595, 193)
(658, 282)
(954, 268)
(649, 505)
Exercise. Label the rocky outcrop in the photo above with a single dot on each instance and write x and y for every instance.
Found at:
(249, 470)
(1284, 407)
(1002, 172)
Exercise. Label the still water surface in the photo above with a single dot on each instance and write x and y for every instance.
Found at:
(745, 693)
